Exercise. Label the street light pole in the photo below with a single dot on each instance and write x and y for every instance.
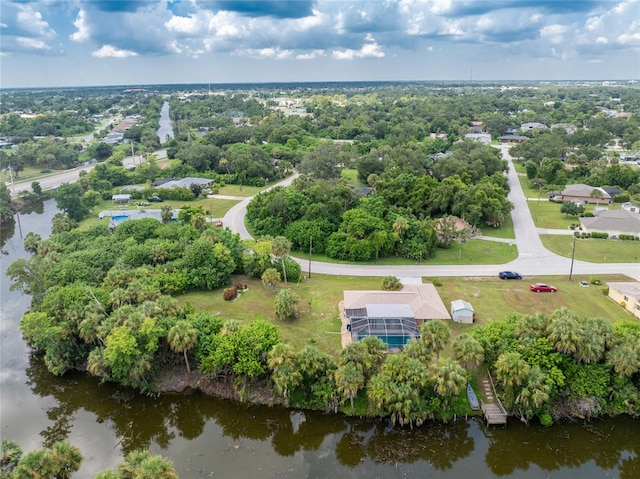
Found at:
(573, 255)
(310, 251)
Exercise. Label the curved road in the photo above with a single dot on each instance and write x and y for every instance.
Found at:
(533, 258)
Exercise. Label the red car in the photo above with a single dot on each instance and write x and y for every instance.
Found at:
(542, 288)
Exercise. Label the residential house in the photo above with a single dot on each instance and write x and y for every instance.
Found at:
(533, 125)
(462, 311)
(484, 138)
(570, 129)
(630, 207)
(614, 222)
(626, 294)
(513, 139)
(392, 316)
(586, 194)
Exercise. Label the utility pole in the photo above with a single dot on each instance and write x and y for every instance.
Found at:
(310, 251)
(573, 255)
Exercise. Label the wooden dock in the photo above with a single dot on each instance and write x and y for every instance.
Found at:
(494, 412)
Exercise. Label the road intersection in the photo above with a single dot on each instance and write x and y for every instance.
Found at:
(533, 258)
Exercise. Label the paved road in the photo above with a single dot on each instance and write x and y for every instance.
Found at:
(69, 176)
(533, 258)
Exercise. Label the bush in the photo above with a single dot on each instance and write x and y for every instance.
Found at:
(598, 234)
(605, 291)
(240, 286)
(230, 293)
(546, 420)
(587, 214)
(577, 234)
(436, 282)
(628, 238)
(293, 269)
(623, 304)
(391, 283)
(595, 281)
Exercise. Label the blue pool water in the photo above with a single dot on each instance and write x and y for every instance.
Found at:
(120, 218)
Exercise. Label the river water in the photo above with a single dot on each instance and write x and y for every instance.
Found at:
(206, 437)
(165, 132)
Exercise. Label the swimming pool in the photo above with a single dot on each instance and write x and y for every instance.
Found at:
(120, 218)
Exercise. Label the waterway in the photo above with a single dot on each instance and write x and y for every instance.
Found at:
(165, 132)
(206, 437)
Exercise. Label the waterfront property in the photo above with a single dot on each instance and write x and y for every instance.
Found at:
(627, 295)
(392, 316)
(123, 214)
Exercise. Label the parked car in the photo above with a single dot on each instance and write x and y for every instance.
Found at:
(154, 199)
(543, 288)
(509, 275)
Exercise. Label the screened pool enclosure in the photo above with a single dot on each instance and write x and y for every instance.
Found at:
(394, 324)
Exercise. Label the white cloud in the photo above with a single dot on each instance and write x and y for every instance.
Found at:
(553, 33)
(370, 49)
(268, 53)
(110, 51)
(32, 22)
(32, 43)
(311, 55)
(83, 32)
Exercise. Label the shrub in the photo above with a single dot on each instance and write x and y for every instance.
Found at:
(436, 282)
(623, 304)
(605, 291)
(595, 281)
(391, 283)
(598, 234)
(240, 286)
(628, 238)
(230, 293)
(577, 234)
(546, 420)
(587, 214)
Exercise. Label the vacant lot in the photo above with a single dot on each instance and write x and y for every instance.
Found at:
(491, 298)
(594, 250)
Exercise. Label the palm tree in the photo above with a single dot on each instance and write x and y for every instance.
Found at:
(224, 163)
(400, 227)
(270, 277)
(468, 350)
(166, 213)
(535, 392)
(511, 369)
(418, 349)
(436, 335)
(565, 332)
(280, 248)
(448, 377)
(283, 362)
(624, 359)
(349, 380)
(182, 337)
(198, 221)
(596, 333)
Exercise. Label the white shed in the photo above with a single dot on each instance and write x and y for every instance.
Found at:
(461, 311)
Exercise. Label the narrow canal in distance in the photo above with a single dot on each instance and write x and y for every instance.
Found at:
(207, 437)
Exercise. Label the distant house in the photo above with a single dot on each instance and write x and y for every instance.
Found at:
(477, 126)
(484, 138)
(462, 311)
(630, 207)
(121, 198)
(392, 316)
(513, 139)
(627, 293)
(534, 125)
(586, 194)
(614, 222)
(184, 182)
(570, 129)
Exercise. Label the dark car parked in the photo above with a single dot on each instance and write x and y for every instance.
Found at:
(509, 275)
(154, 199)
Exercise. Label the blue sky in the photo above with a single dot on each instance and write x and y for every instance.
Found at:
(119, 42)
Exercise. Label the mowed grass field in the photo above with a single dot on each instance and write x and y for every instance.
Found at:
(594, 250)
(318, 322)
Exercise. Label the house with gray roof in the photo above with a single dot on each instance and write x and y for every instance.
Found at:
(586, 194)
(614, 222)
(392, 316)
(533, 125)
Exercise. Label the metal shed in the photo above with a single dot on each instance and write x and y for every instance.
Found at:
(462, 311)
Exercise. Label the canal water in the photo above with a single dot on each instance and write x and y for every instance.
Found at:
(206, 437)
(165, 132)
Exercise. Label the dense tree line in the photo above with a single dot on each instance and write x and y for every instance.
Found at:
(561, 365)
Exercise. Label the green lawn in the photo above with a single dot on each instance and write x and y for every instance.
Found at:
(29, 173)
(318, 321)
(474, 252)
(519, 167)
(505, 231)
(351, 175)
(240, 190)
(546, 214)
(594, 250)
